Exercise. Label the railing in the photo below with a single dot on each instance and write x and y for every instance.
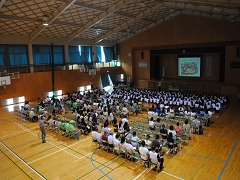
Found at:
(57, 67)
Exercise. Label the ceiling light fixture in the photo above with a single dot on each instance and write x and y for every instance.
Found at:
(45, 20)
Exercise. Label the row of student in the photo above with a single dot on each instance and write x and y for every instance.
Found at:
(129, 144)
(171, 98)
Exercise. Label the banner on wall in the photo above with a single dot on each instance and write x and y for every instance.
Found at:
(209, 66)
(142, 64)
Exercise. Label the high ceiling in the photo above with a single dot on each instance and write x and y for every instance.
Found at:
(113, 20)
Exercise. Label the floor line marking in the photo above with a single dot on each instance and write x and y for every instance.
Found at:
(60, 149)
(140, 174)
(229, 157)
(11, 134)
(91, 160)
(172, 175)
(23, 161)
(63, 149)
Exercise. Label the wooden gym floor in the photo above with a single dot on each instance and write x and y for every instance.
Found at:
(213, 155)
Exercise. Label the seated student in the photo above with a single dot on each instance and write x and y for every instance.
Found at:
(99, 135)
(158, 124)
(196, 123)
(144, 153)
(128, 134)
(171, 130)
(76, 133)
(116, 142)
(128, 146)
(105, 128)
(123, 144)
(171, 140)
(125, 111)
(125, 126)
(105, 136)
(110, 138)
(120, 128)
(151, 124)
(156, 144)
(32, 115)
(94, 133)
(178, 130)
(134, 139)
(148, 142)
(156, 158)
(186, 128)
(85, 126)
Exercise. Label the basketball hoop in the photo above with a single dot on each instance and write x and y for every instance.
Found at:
(4, 86)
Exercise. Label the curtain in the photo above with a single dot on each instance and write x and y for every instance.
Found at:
(18, 55)
(108, 51)
(58, 54)
(41, 54)
(80, 54)
(2, 52)
(85, 54)
(73, 54)
(98, 55)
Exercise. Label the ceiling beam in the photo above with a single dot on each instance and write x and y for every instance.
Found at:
(95, 20)
(85, 5)
(52, 17)
(1, 3)
(130, 21)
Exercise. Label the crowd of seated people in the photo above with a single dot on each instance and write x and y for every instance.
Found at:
(93, 112)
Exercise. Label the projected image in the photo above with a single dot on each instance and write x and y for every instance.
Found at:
(189, 66)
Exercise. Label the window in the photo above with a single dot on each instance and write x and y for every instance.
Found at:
(13, 55)
(79, 54)
(104, 54)
(42, 54)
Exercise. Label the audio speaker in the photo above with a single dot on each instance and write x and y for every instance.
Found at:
(142, 55)
(163, 71)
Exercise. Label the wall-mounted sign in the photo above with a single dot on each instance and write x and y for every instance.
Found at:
(142, 64)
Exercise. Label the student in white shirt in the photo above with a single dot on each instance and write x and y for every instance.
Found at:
(144, 153)
(135, 139)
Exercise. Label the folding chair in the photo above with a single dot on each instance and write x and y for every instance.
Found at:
(170, 147)
(145, 162)
(123, 151)
(105, 144)
(110, 146)
(154, 162)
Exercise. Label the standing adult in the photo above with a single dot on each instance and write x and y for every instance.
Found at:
(91, 83)
(42, 128)
(159, 85)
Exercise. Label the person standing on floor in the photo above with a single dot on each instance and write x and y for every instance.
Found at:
(159, 85)
(91, 83)
(42, 128)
